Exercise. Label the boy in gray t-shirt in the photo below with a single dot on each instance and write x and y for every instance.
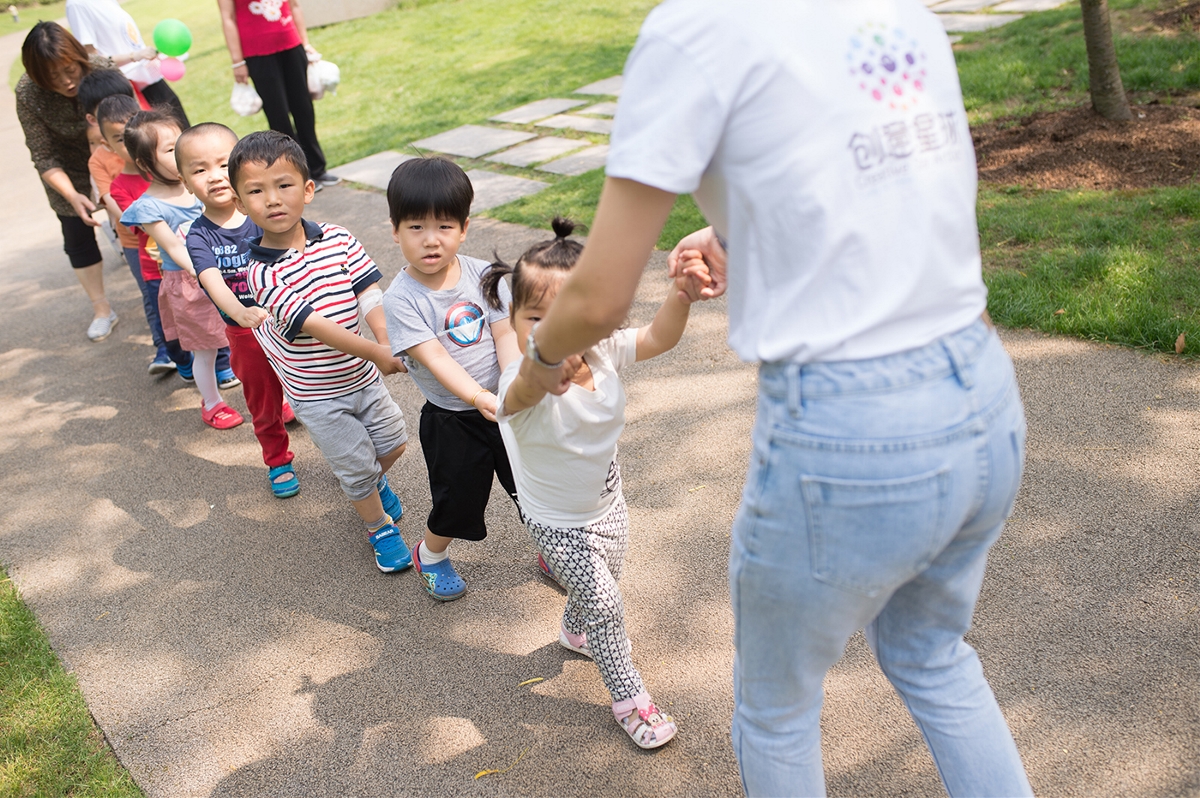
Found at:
(455, 347)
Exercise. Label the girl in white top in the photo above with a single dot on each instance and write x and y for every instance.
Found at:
(563, 451)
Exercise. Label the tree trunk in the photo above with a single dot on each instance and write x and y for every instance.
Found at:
(1104, 78)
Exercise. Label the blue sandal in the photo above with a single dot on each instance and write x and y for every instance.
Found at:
(287, 488)
(389, 500)
(441, 580)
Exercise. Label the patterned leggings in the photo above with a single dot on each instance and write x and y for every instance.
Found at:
(588, 560)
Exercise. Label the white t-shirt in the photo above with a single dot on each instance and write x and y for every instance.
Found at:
(109, 28)
(827, 141)
(563, 450)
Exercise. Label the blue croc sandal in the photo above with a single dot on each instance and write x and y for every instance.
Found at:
(391, 553)
(391, 502)
(441, 580)
(288, 487)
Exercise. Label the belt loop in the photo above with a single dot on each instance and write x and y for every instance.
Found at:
(794, 397)
(958, 362)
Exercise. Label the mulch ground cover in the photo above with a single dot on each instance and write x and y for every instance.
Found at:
(1078, 149)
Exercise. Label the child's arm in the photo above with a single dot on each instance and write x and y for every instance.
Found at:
(667, 328)
(209, 275)
(453, 377)
(505, 338)
(334, 335)
(370, 300)
(111, 206)
(171, 244)
(224, 299)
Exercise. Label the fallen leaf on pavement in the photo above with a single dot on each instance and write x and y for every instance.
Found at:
(531, 681)
(502, 772)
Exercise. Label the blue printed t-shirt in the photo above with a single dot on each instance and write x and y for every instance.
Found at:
(227, 249)
(146, 210)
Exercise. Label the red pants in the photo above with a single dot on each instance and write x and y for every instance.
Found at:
(264, 394)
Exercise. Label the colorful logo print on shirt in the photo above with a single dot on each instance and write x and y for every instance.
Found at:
(464, 323)
(888, 65)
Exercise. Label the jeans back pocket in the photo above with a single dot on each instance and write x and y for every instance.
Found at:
(871, 535)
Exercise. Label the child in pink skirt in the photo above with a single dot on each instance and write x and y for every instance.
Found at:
(165, 212)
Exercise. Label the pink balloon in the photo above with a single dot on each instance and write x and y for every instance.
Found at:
(172, 68)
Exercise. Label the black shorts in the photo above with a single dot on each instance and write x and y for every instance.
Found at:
(462, 451)
(79, 242)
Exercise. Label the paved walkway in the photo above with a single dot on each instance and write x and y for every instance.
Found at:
(230, 644)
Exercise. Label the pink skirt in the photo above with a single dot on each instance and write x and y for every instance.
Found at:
(188, 314)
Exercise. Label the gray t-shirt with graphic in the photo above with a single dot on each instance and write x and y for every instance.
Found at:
(459, 318)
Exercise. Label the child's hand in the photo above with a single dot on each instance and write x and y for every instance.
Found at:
(692, 277)
(251, 318)
(387, 362)
(485, 403)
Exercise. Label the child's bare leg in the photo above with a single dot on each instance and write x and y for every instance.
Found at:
(370, 510)
(389, 459)
(436, 543)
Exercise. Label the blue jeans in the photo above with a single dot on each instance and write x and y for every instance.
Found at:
(875, 490)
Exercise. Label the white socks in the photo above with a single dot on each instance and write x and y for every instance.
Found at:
(204, 371)
(429, 558)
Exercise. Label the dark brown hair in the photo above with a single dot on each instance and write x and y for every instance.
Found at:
(550, 260)
(141, 140)
(50, 45)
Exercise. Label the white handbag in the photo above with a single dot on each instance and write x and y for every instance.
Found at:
(323, 76)
(245, 100)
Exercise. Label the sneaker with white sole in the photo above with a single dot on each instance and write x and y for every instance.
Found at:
(576, 643)
(163, 365)
(102, 326)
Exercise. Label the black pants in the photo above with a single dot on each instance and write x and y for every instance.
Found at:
(281, 79)
(79, 242)
(159, 93)
(462, 451)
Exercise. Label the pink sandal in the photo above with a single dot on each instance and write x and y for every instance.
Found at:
(646, 724)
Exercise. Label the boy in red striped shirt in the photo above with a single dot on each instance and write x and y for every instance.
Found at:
(315, 280)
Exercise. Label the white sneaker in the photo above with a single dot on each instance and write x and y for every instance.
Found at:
(101, 326)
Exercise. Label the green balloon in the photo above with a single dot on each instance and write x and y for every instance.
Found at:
(172, 38)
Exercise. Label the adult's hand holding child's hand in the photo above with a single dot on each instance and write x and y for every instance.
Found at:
(703, 242)
(693, 277)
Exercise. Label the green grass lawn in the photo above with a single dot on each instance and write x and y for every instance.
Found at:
(1040, 62)
(1120, 265)
(49, 744)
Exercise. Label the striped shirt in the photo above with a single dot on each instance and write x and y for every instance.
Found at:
(325, 278)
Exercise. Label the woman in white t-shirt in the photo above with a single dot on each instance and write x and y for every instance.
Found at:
(828, 143)
(103, 27)
(563, 450)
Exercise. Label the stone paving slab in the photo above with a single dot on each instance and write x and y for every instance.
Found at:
(951, 6)
(537, 151)
(582, 123)
(971, 23)
(472, 141)
(493, 188)
(1028, 5)
(600, 109)
(532, 112)
(580, 162)
(611, 86)
(374, 170)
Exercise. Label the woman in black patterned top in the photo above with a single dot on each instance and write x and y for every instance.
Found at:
(56, 135)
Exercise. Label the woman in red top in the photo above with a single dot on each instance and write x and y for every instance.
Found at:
(268, 43)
